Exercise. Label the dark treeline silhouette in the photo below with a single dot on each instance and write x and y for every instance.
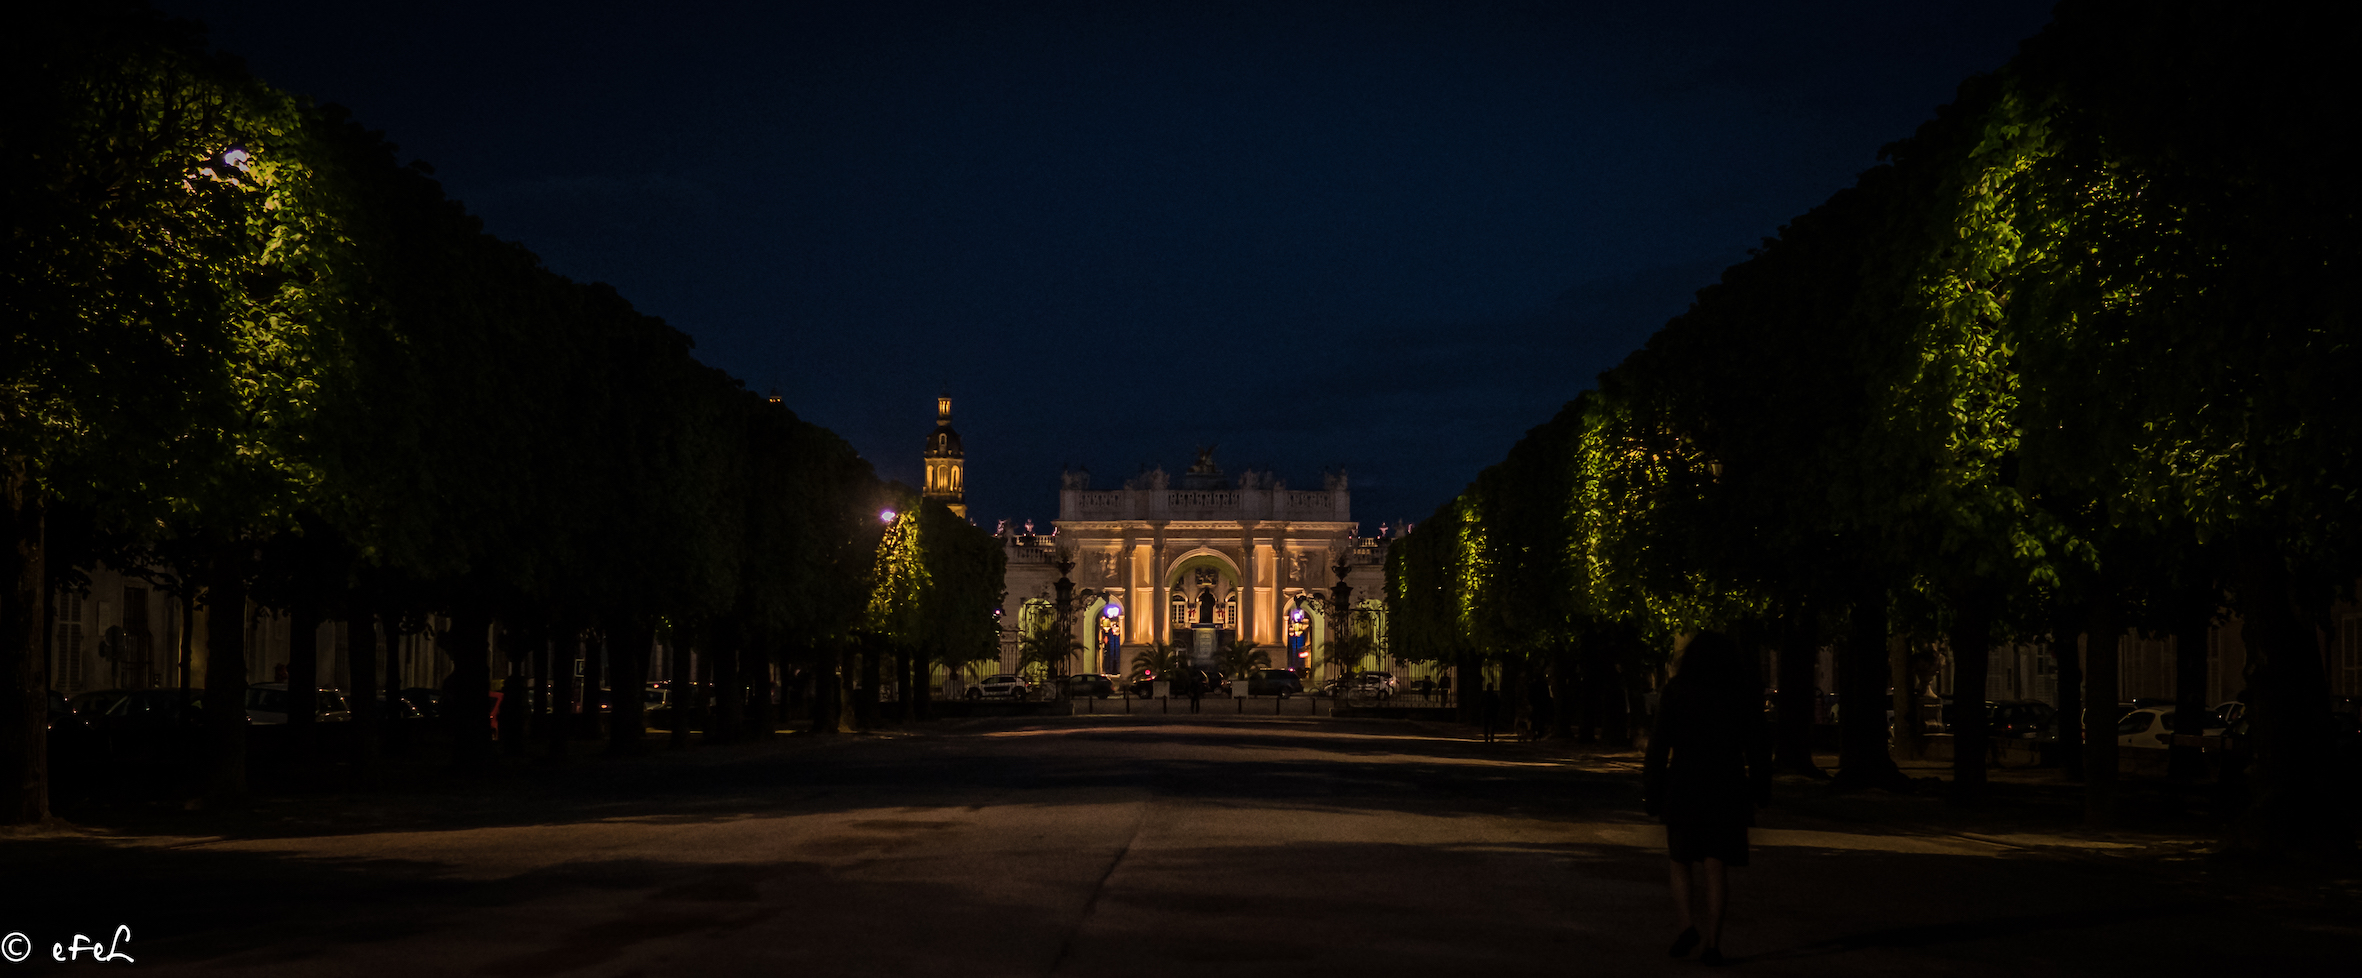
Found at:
(257, 359)
(2076, 357)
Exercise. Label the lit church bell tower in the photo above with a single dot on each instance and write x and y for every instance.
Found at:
(944, 481)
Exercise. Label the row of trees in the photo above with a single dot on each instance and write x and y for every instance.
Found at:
(252, 350)
(2077, 357)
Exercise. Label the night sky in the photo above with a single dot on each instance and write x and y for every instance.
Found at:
(1387, 237)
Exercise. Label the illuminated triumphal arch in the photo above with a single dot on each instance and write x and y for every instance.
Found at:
(1197, 566)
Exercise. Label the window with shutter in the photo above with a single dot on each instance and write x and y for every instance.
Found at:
(66, 672)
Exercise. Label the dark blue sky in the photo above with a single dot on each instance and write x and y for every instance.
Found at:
(1384, 236)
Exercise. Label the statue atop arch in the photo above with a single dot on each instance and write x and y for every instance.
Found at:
(1205, 461)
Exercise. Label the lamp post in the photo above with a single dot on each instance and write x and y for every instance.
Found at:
(1342, 620)
(1065, 588)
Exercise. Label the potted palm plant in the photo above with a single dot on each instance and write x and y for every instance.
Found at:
(1240, 661)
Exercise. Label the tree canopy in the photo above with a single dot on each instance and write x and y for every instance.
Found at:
(241, 322)
(2084, 337)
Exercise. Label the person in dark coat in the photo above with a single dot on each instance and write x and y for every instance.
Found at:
(1490, 708)
(1708, 769)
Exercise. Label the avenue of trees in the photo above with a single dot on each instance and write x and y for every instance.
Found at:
(257, 356)
(2078, 356)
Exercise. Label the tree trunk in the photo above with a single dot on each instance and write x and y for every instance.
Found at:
(2185, 763)
(827, 675)
(1468, 685)
(516, 688)
(564, 653)
(1800, 651)
(1615, 697)
(1562, 691)
(540, 712)
(225, 676)
(2101, 710)
(1590, 663)
(467, 693)
(627, 717)
(865, 701)
(303, 680)
(598, 653)
(24, 669)
(729, 707)
(2067, 656)
(361, 663)
(761, 722)
(1910, 740)
(188, 631)
(681, 684)
(1863, 759)
(1972, 642)
(397, 724)
(2295, 812)
(902, 664)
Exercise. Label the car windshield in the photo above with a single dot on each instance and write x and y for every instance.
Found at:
(2134, 723)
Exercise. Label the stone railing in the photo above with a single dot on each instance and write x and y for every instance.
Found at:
(1032, 553)
(1316, 505)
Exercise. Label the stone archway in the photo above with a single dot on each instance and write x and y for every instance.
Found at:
(1202, 588)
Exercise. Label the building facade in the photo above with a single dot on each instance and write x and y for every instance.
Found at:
(1197, 566)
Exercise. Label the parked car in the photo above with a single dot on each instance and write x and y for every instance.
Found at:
(1377, 685)
(1275, 682)
(402, 708)
(97, 702)
(2021, 720)
(427, 701)
(267, 703)
(659, 694)
(129, 724)
(1002, 687)
(2153, 727)
(1087, 684)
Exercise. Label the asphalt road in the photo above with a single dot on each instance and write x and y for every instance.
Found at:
(1138, 846)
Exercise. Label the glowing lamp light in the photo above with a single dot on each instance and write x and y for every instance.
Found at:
(886, 515)
(1296, 614)
(1113, 611)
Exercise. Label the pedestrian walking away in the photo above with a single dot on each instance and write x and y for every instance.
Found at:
(1490, 707)
(1708, 768)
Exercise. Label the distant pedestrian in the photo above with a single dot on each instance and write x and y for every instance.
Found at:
(1489, 706)
(1708, 769)
(1197, 688)
(1444, 686)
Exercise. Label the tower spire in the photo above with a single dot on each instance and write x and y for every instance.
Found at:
(945, 460)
